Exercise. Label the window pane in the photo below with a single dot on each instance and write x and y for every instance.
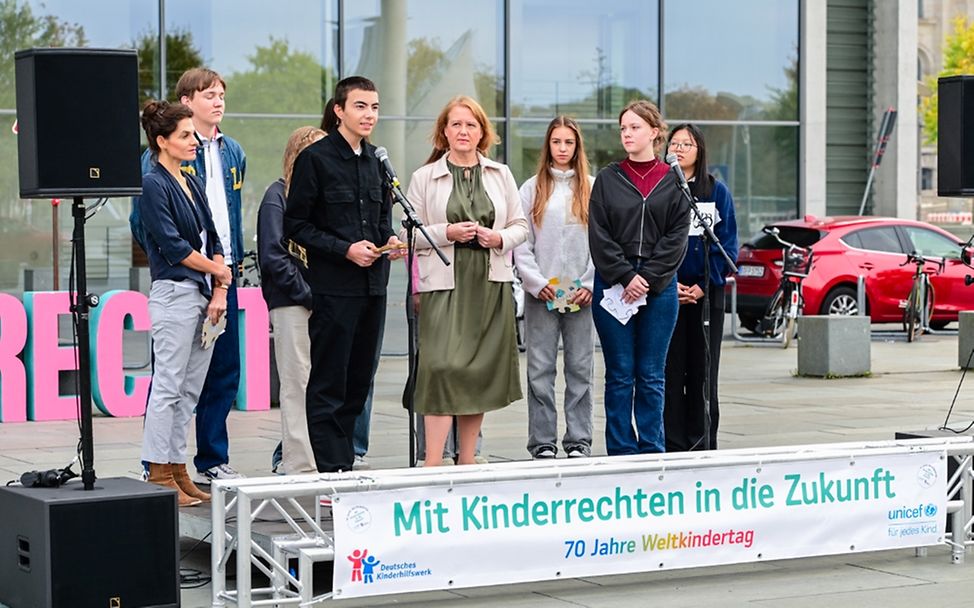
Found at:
(760, 167)
(26, 231)
(452, 47)
(274, 61)
(928, 242)
(880, 239)
(601, 141)
(587, 59)
(730, 60)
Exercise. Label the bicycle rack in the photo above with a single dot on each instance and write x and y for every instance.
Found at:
(735, 331)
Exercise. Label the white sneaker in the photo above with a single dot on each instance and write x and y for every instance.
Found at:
(221, 472)
(361, 464)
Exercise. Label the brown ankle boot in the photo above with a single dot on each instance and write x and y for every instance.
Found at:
(161, 474)
(181, 477)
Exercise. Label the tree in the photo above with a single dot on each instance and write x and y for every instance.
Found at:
(181, 55)
(958, 59)
(21, 29)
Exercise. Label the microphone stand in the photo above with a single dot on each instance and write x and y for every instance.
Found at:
(411, 223)
(707, 237)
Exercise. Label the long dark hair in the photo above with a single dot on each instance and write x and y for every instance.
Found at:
(702, 186)
(329, 120)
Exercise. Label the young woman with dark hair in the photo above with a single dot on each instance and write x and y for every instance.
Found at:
(552, 259)
(186, 265)
(638, 223)
(684, 412)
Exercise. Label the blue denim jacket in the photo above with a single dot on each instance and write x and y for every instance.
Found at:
(172, 227)
(234, 163)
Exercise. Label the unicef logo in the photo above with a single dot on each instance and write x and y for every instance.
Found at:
(927, 476)
(930, 510)
(359, 519)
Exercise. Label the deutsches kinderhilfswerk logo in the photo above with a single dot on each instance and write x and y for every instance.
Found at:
(368, 568)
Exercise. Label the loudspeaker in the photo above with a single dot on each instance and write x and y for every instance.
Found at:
(78, 123)
(114, 546)
(955, 136)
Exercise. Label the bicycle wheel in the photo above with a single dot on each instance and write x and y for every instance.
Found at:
(789, 332)
(775, 315)
(912, 323)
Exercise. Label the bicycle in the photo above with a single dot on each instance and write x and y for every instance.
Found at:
(787, 302)
(919, 304)
(248, 267)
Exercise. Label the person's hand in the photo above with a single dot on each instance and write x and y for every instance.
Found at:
(637, 288)
(547, 294)
(395, 253)
(696, 293)
(217, 305)
(489, 238)
(461, 232)
(683, 294)
(582, 297)
(362, 253)
(223, 275)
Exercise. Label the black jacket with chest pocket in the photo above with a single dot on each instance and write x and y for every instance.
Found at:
(338, 198)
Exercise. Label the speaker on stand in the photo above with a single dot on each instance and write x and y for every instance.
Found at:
(113, 544)
(955, 136)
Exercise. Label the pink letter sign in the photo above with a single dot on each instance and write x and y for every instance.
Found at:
(113, 391)
(46, 358)
(254, 392)
(13, 376)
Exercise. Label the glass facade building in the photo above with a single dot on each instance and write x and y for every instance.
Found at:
(731, 67)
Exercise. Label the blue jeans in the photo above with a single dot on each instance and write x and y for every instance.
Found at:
(635, 371)
(219, 392)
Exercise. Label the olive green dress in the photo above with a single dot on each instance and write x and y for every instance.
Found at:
(468, 360)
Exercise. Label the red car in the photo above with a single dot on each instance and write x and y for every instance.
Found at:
(844, 248)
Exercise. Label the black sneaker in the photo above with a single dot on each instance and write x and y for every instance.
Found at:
(576, 451)
(545, 453)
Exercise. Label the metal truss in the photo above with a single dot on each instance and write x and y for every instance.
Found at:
(237, 504)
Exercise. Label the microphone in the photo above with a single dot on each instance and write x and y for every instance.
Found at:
(383, 156)
(674, 164)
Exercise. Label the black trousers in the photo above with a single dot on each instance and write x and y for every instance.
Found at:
(344, 334)
(683, 413)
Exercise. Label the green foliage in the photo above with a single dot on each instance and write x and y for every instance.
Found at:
(181, 55)
(280, 81)
(958, 59)
(21, 29)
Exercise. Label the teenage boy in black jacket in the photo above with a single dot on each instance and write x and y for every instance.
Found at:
(338, 208)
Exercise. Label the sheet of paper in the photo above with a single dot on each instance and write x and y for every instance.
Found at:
(710, 215)
(212, 331)
(613, 303)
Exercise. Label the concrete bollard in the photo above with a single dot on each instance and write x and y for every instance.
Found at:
(833, 346)
(965, 338)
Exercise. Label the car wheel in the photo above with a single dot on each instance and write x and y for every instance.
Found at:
(841, 302)
(939, 325)
(749, 322)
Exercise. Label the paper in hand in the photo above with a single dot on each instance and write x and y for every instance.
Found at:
(613, 303)
(564, 292)
(212, 331)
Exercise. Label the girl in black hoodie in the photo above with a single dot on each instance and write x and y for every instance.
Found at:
(638, 228)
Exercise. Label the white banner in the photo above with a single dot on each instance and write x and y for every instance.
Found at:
(394, 541)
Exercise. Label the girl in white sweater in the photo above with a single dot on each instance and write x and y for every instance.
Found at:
(556, 269)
